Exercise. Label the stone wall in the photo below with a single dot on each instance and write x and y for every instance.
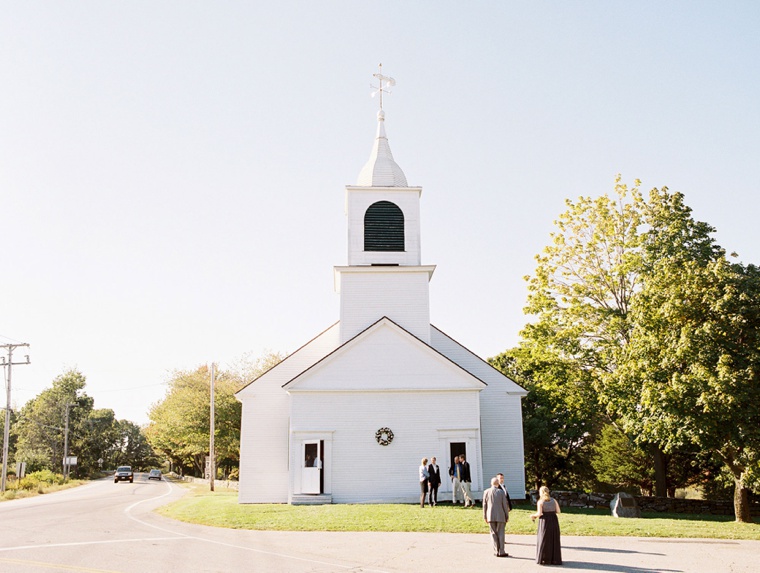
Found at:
(653, 504)
(220, 483)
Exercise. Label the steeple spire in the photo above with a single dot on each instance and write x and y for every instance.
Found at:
(384, 83)
(381, 170)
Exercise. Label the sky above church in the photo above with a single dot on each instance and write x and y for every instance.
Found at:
(172, 174)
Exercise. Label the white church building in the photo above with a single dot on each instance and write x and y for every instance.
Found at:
(348, 416)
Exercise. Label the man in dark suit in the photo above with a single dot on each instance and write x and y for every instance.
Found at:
(466, 480)
(504, 489)
(496, 515)
(434, 480)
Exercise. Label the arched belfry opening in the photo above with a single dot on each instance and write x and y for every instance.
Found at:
(384, 227)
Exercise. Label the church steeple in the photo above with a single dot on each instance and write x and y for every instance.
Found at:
(384, 276)
(383, 211)
(381, 170)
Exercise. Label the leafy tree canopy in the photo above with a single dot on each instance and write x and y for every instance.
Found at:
(180, 423)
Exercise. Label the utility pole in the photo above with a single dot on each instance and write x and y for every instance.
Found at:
(66, 443)
(212, 465)
(6, 428)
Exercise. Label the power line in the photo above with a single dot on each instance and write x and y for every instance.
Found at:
(11, 339)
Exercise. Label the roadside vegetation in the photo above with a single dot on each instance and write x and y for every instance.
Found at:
(221, 509)
(37, 483)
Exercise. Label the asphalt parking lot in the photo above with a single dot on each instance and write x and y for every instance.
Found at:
(458, 553)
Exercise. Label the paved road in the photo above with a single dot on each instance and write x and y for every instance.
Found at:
(107, 528)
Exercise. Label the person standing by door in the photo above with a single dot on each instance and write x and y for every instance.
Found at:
(465, 482)
(456, 490)
(434, 480)
(424, 476)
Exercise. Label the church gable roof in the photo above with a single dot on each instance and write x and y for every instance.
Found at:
(471, 362)
(308, 354)
(385, 357)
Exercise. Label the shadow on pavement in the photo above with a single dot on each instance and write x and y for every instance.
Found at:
(613, 568)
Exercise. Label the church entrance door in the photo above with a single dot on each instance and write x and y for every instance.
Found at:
(457, 449)
(311, 470)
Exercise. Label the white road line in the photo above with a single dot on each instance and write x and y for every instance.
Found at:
(180, 536)
(56, 566)
(243, 547)
(80, 543)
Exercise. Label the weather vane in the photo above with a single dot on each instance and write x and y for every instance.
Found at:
(385, 83)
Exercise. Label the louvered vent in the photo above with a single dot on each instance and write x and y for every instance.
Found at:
(384, 227)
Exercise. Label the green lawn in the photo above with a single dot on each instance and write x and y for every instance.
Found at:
(221, 509)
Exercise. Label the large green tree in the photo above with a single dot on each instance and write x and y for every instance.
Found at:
(94, 434)
(620, 462)
(180, 423)
(560, 416)
(581, 291)
(692, 371)
(42, 421)
(618, 253)
(133, 447)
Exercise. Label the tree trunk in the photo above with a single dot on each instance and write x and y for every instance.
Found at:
(741, 501)
(660, 472)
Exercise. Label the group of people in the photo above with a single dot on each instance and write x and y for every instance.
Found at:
(430, 481)
(459, 472)
(496, 506)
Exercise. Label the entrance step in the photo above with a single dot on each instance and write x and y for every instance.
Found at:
(311, 499)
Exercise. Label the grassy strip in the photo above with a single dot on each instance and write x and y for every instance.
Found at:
(221, 509)
(14, 493)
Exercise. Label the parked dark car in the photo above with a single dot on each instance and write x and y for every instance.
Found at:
(123, 473)
(154, 474)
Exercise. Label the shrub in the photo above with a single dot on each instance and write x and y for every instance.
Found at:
(37, 480)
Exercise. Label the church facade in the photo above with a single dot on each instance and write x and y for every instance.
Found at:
(348, 416)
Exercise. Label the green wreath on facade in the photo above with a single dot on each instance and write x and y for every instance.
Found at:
(384, 436)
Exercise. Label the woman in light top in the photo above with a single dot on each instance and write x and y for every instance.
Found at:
(548, 549)
(424, 477)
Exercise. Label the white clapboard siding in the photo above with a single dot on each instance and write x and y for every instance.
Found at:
(264, 468)
(384, 377)
(369, 293)
(361, 470)
(502, 439)
(264, 463)
(501, 415)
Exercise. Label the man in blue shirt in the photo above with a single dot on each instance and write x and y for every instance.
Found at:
(456, 490)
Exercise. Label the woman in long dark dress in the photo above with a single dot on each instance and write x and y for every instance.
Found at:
(548, 549)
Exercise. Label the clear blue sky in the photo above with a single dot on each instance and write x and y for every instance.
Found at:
(172, 173)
